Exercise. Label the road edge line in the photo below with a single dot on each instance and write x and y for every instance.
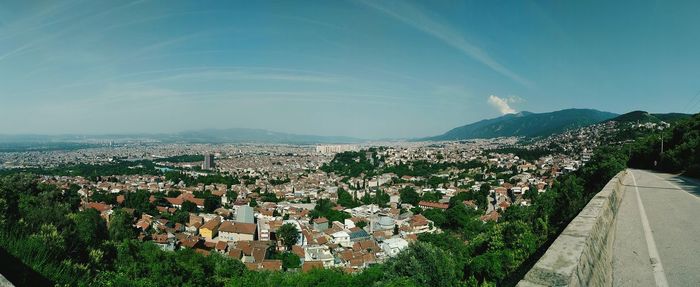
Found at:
(657, 267)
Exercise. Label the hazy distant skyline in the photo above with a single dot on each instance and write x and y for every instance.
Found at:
(366, 69)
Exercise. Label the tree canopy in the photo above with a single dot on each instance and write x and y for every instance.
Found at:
(288, 234)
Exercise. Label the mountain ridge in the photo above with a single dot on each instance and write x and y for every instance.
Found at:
(644, 116)
(228, 135)
(526, 124)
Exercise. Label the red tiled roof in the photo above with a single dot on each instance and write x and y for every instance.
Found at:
(309, 265)
(492, 216)
(298, 250)
(244, 228)
(221, 245)
(320, 220)
(431, 204)
(235, 253)
(211, 224)
(101, 207)
(272, 265)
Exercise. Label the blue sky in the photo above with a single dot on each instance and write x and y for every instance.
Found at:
(369, 69)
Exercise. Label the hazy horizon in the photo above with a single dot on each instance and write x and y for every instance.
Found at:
(362, 69)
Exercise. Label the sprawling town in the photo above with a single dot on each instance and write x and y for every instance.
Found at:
(347, 206)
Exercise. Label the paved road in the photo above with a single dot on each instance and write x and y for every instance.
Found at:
(657, 236)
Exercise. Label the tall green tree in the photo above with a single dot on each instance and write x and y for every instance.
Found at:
(288, 234)
(345, 199)
(121, 226)
(424, 264)
(211, 202)
(90, 228)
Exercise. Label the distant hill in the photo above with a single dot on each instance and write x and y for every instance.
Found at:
(243, 135)
(526, 124)
(644, 117)
(234, 135)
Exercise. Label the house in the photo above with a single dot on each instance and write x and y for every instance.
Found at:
(358, 234)
(299, 251)
(310, 265)
(341, 238)
(221, 247)
(235, 253)
(366, 245)
(320, 224)
(104, 209)
(270, 265)
(177, 201)
(491, 216)
(189, 242)
(420, 224)
(253, 251)
(244, 213)
(165, 241)
(470, 204)
(319, 253)
(210, 229)
(393, 246)
(503, 205)
(237, 231)
(429, 204)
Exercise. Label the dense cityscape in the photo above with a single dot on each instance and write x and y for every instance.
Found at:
(389, 143)
(349, 206)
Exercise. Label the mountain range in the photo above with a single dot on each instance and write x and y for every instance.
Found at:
(233, 135)
(522, 124)
(526, 124)
(237, 135)
(643, 117)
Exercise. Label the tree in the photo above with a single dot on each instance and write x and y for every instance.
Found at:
(345, 198)
(361, 224)
(324, 208)
(424, 264)
(436, 215)
(289, 260)
(253, 202)
(417, 210)
(231, 195)
(181, 216)
(269, 197)
(174, 193)
(10, 188)
(432, 196)
(139, 200)
(459, 216)
(409, 195)
(72, 197)
(90, 228)
(211, 202)
(288, 234)
(120, 226)
(382, 198)
(189, 206)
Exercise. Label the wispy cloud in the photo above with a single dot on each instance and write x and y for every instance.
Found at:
(416, 18)
(47, 18)
(503, 104)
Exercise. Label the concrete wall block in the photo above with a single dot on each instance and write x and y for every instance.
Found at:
(582, 254)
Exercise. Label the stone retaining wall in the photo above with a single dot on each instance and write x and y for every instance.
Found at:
(582, 254)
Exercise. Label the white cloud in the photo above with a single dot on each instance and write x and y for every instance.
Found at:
(503, 104)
